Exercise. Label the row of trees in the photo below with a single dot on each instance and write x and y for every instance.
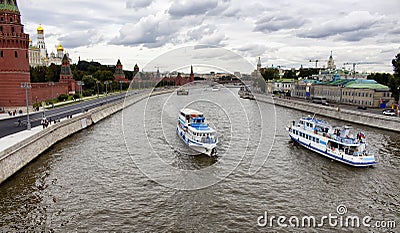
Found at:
(273, 73)
(83, 68)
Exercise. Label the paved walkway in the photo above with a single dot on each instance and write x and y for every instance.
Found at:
(7, 116)
(11, 140)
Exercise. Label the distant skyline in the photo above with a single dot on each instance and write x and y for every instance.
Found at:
(285, 33)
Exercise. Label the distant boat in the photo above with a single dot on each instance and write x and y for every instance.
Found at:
(215, 88)
(196, 133)
(336, 143)
(245, 93)
(182, 91)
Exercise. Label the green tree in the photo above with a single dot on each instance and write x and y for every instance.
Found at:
(53, 73)
(269, 73)
(307, 72)
(394, 83)
(103, 75)
(90, 82)
(38, 74)
(382, 78)
(290, 74)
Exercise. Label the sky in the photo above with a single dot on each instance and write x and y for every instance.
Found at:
(286, 33)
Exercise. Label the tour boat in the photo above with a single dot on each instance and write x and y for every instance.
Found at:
(215, 88)
(182, 91)
(245, 93)
(336, 143)
(196, 133)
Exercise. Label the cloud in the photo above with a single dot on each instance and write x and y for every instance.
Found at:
(252, 50)
(151, 31)
(134, 4)
(80, 38)
(186, 8)
(356, 21)
(278, 22)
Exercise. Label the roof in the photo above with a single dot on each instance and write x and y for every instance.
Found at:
(284, 80)
(188, 111)
(375, 86)
(6, 6)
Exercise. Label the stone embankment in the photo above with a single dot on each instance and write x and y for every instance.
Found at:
(358, 117)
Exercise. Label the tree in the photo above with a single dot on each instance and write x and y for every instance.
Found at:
(53, 73)
(396, 65)
(381, 78)
(290, 74)
(394, 83)
(269, 73)
(307, 72)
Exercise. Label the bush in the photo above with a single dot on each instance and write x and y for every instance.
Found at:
(87, 92)
(62, 97)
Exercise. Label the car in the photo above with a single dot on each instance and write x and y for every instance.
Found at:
(389, 112)
(362, 107)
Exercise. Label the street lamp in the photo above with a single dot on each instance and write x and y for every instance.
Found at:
(26, 86)
(98, 90)
(51, 84)
(80, 84)
(106, 83)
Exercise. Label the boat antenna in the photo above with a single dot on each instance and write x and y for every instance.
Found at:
(314, 115)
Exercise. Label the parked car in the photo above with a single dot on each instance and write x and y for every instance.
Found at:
(389, 112)
(362, 107)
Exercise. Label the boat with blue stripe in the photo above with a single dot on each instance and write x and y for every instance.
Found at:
(337, 143)
(196, 133)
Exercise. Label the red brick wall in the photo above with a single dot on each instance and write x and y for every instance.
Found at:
(42, 91)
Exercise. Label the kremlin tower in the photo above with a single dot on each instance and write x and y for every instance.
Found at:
(66, 75)
(119, 74)
(14, 61)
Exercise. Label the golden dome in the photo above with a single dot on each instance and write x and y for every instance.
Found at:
(60, 48)
(40, 28)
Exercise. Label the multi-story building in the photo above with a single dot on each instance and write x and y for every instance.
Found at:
(358, 92)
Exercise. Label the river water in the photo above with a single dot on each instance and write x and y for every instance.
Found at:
(132, 173)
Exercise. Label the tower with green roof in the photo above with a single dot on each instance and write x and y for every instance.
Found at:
(14, 60)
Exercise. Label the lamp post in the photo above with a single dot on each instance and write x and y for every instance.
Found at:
(98, 90)
(120, 86)
(80, 84)
(26, 86)
(51, 84)
(106, 83)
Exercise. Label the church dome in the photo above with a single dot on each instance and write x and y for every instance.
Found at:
(60, 48)
(40, 28)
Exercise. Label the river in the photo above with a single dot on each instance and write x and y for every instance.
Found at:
(132, 173)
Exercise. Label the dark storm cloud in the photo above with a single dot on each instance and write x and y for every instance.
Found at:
(181, 9)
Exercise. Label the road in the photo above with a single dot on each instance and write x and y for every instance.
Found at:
(10, 125)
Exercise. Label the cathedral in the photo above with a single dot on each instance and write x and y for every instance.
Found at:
(38, 55)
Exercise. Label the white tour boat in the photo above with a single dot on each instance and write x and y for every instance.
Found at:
(196, 133)
(336, 143)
